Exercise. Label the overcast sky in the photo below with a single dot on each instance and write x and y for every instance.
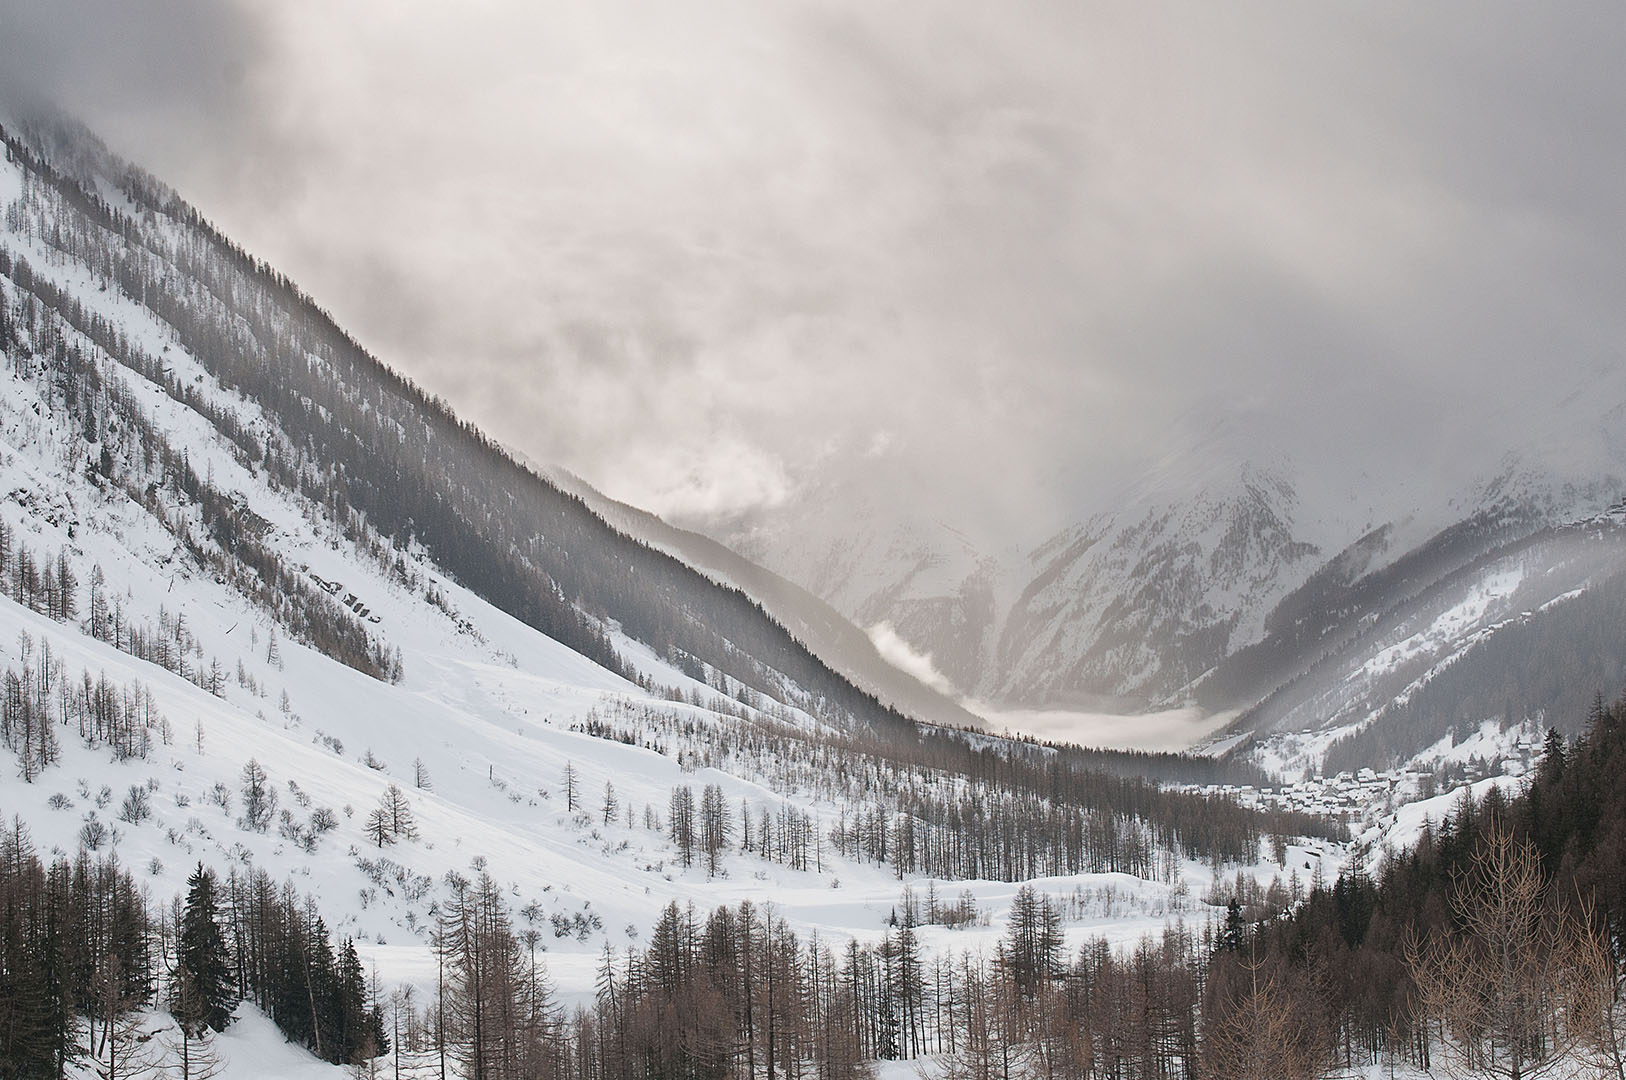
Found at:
(702, 252)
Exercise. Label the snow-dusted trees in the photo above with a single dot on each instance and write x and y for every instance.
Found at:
(395, 803)
(61, 594)
(26, 724)
(714, 826)
(499, 1017)
(79, 953)
(48, 585)
(572, 783)
(680, 822)
(990, 1041)
(101, 620)
(39, 697)
(705, 830)
(1011, 813)
(739, 994)
(315, 992)
(75, 956)
(1510, 990)
(377, 827)
(204, 986)
(391, 819)
(1032, 950)
(259, 798)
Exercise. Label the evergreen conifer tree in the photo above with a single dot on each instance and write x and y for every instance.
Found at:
(204, 993)
(1233, 935)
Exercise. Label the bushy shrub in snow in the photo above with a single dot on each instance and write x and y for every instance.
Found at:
(93, 833)
(137, 805)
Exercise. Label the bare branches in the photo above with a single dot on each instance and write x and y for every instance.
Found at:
(1511, 993)
(1264, 1031)
(1598, 1009)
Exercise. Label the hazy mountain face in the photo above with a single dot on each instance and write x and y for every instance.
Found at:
(1192, 562)
(983, 326)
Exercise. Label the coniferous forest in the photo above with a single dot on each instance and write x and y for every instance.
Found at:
(1487, 948)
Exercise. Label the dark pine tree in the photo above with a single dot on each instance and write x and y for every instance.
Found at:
(1234, 934)
(206, 990)
(359, 1030)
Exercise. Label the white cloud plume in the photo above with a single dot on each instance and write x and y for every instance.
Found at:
(898, 652)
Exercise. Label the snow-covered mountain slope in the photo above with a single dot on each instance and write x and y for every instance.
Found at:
(881, 562)
(1220, 574)
(1526, 629)
(1125, 608)
(485, 705)
(1141, 603)
(257, 588)
(829, 634)
(302, 403)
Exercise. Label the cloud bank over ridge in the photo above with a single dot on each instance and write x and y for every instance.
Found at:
(995, 255)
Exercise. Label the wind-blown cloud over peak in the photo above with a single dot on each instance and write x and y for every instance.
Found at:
(702, 255)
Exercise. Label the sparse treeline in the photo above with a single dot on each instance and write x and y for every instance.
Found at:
(81, 950)
(38, 698)
(944, 805)
(51, 587)
(735, 993)
(55, 343)
(1493, 947)
(47, 585)
(1395, 963)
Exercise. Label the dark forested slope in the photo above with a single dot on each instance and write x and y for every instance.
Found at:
(385, 458)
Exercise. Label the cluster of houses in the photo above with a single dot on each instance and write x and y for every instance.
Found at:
(1369, 793)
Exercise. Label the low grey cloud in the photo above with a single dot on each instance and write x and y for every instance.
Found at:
(992, 254)
(166, 77)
